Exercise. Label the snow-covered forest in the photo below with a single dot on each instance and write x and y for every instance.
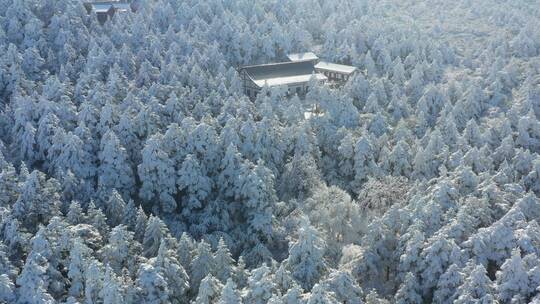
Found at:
(134, 170)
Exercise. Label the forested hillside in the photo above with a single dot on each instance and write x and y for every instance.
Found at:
(134, 170)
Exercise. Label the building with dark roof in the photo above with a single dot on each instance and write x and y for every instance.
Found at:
(294, 75)
(105, 10)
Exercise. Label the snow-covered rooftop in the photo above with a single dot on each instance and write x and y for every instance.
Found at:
(121, 6)
(282, 73)
(334, 67)
(101, 7)
(302, 56)
(105, 6)
(272, 82)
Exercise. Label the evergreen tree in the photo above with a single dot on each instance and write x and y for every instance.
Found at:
(111, 293)
(140, 224)
(120, 251)
(75, 214)
(201, 265)
(319, 296)
(448, 284)
(151, 285)
(33, 281)
(229, 294)
(78, 259)
(195, 183)
(157, 174)
(7, 289)
(93, 281)
(174, 274)
(476, 287)
(260, 286)
(38, 201)
(96, 218)
(114, 166)
(408, 291)
(156, 231)
(223, 262)
(306, 260)
(115, 207)
(364, 164)
(512, 279)
(209, 290)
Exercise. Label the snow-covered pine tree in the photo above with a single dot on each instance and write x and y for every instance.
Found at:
(306, 256)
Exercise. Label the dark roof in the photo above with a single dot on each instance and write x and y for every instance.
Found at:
(283, 73)
(277, 70)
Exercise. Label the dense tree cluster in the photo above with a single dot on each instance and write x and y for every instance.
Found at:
(134, 170)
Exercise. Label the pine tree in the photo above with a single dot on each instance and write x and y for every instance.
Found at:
(75, 214)
(174, 274)
(447, 285)
(306, 259)
(209, 290)
(223, 262)
(240, 273)
(258, 195)
(283, 279)
(33, 281)
(157, 174)
(195, 183)
(96, 218)
(140, 224)
(38, 201)
(151, 286)
(9, 184)
(408, 292)
(260, 286)
(512, 279)
(439, 253)
(230, 169)
(7, 289)
(373, 298)
(6, 267)
(364, 164)
(118, 253)
(294, 296)
(201, 265)
(129, 215)
(399, 160)
(155, 232)
(93, 281)
(477, 286)
(78, 257)
(111, 293)
(115, 207)
(320, 296)
(229, 294)
(114, 168)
